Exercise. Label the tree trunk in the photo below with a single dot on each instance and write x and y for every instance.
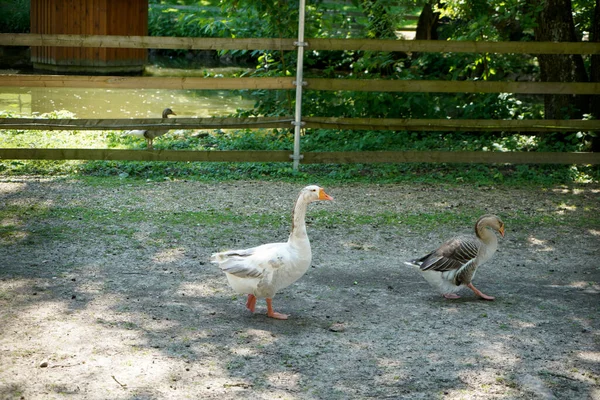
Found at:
(595, 74)
(428, 23)
(555, 23)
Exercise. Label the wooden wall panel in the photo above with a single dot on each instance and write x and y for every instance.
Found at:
(89, 17)
(102, 12)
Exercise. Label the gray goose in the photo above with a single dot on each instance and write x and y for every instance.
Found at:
(453, 265)
(151, 134)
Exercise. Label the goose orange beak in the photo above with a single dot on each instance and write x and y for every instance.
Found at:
(501, 230)
(323, 195)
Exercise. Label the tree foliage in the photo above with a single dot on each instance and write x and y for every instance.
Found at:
(479, 20)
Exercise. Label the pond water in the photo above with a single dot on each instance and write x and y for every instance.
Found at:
(128, 103)
(121, 103)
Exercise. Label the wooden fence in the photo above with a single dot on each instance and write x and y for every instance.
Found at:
(145, 42)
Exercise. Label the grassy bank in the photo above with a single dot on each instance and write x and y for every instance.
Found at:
(316, 140)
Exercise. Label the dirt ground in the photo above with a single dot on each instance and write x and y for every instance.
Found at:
(106, 292)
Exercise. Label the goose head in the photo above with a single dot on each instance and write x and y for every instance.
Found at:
(313, 193)
(166, 112)
(490, 221)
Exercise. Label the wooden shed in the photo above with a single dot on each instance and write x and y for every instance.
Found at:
(89, 17)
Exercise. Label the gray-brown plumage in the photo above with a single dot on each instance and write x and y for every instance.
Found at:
(454, 263)
(151, 134)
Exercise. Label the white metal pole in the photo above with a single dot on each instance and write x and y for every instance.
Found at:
(299, 82)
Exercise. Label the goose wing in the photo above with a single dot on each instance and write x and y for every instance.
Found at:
(254, 262)
(451, 255)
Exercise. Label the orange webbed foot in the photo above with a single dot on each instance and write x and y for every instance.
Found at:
(273, 314)
(486, 297)
(479, 293)
(277, 315)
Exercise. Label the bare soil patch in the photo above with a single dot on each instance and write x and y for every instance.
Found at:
(104, 295)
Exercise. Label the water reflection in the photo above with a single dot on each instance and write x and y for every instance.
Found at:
(121, 103)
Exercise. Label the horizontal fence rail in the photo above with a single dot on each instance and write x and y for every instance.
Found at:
(367, 157)
(427, 46)
(147, 155)
(450, 157)
(145, 123)
(447, 46)
(144, 42)
(359, 85)
(379, 85)
(135, 82)
(461, 125)
(392, 124)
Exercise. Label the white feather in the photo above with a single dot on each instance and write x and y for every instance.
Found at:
(264, 270)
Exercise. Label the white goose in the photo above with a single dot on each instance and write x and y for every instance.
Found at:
(262, 271)
(150, 134)
(455, 262)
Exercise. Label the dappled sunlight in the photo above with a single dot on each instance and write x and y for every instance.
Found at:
(243, 351)
(111, 343)
(7, 188)
(480, 383)
(11, 224)
(10, 221)
(589, 356)
(142, 234)
(13, 236)
(40, 314)
(41, 204)
(250, 343)
(576, 191)
(92, 287)
(169, 255)
(587, 325)
(358, 246)
(201, 289)
(585, 286)
(563, 208)
(13, 287)
(455, 393)
(499, 353)
(287, 380)
(264, 337)
(523, 324)
(29, 300)
(594, 232)
(452, 309)
(390, 371)
(539, 244)
(138, 322)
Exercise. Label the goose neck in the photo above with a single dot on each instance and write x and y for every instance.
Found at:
(299, 221)
(486, 235)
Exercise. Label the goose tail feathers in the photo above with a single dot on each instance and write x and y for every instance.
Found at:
(413, 263)
(137, 132)
(225, 255)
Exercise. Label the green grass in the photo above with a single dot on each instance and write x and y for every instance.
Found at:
(40, 223)
(426, 221)
(317, 140)
(136, 172)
